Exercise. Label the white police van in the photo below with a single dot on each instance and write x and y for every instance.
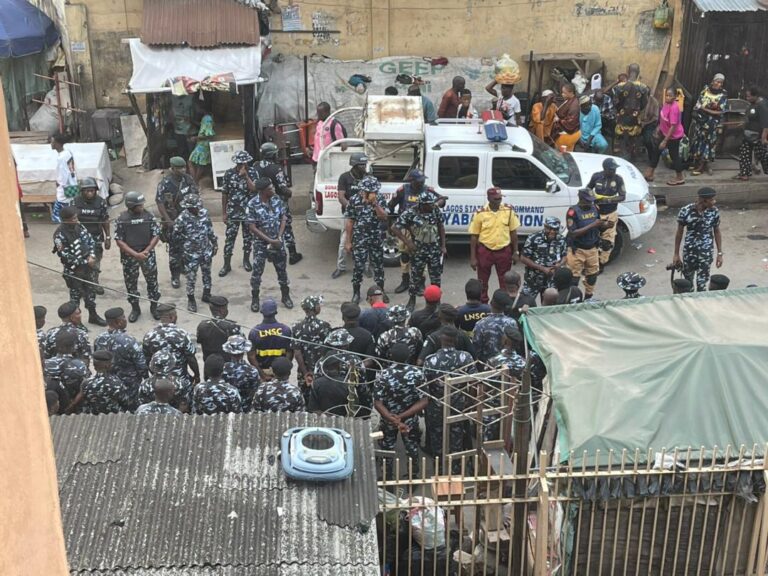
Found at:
(461, 164)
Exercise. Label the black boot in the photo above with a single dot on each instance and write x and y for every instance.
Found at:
(356, 293)
(175, 279)
(255, 307)
(206, 295)
(404, 283)
(226, 269)
(411, 303)
(191, 303)
(247, 262)
(294, 257)
(153, 310)
(135, 312)
(97, 289)
(286, 292)
(384, 295)
(94, 318)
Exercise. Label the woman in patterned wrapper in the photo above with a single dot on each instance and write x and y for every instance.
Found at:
(707, 116)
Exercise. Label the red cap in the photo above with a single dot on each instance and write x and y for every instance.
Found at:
(494, 193)
(432, 293)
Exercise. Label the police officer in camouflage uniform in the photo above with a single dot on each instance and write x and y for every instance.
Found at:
(398, 393)
(364, 215)
(279, 394)
(92, 212)
(542, 254)
(489, 332)
(72, 322)
(270, 168)
(239, 373)
(215, 396)
(426, 241)
(170, 191)
(102, 393)
(238, 188)
(63, 370)
(631, 283)
(700, 223)
(444, 363)
(400, 333)
(164, 392)
(177, 341)
(193, 230)
(161, 367)
(266, 219)
(514, 363)
(128, 361)
(137, 232)
(407, 196)
(309, 334)
(40, 312)
(75, 248)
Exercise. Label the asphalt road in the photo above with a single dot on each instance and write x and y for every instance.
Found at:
(745, 234)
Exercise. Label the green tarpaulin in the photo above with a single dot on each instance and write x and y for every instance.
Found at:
(662, 372)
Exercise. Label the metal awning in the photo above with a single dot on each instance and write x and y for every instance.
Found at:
(731, 5)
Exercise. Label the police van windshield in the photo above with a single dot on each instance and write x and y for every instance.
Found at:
(556, 161)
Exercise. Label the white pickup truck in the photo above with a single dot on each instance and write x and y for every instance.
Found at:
(461, 163)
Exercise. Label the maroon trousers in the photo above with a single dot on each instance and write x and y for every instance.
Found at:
(487, 259)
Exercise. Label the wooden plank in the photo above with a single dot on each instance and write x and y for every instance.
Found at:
(39, 199)
(553, 56)
(660, 67)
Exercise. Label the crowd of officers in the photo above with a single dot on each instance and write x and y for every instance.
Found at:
(381, 358)
(254, 199)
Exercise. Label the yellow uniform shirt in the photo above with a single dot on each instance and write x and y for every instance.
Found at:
(493, 228)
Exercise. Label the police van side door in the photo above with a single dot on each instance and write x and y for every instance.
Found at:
(524, 186)
(459, 174)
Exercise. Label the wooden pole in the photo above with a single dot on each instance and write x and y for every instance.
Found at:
(521, 440)
(30, 524)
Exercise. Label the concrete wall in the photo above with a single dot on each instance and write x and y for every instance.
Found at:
(620, 31)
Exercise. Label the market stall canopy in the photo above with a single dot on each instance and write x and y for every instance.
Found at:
(24, 30)
(154, 67)
(662, 372)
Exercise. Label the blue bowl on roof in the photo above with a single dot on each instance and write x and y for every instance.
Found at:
(317, 454)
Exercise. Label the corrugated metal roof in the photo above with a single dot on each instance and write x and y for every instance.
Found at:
(730, 5)
(192, 494)
(199, 23)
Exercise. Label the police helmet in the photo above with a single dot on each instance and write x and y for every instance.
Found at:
(358, 158)
(134, 199)
(268, 150)
(88, 182)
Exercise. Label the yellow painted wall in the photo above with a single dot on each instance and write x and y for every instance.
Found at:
(620, 31)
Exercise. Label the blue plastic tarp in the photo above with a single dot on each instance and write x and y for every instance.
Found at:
(24, 29)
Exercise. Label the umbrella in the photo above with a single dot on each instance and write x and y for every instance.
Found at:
(24, 29)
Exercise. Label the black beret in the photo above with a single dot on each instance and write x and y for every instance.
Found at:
(350, 310)
(218, 301)
(114, 313)
(706, 192)
(68, 212)
(67, 309)
(720, 280)
(166, 308)
(683, 284)
(262, 183)
(102, 355)
(40, 312)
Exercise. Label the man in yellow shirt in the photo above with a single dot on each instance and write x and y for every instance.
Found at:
(493, 240)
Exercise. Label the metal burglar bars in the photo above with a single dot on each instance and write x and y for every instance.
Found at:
(683, 512)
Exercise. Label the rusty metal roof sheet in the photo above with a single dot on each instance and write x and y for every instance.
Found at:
(206, 495)
(199, 23)
(730, 5)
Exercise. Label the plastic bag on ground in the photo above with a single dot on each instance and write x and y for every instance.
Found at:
(427, 524)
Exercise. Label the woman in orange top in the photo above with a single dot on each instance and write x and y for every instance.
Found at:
(543, 116)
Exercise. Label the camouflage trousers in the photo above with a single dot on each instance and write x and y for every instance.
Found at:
(696, 265)
(78, 283)
(261, 255)
(365, 247)
(288, 236)
(234, 223)
(535, 282)
(191, 263)
(433, 417)
(148, 267)
(411, 441)
(175, 254)
(429, 256)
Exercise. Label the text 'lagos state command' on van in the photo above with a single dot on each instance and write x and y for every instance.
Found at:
(461, 164)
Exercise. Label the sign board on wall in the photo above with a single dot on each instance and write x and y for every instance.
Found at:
(221, 158)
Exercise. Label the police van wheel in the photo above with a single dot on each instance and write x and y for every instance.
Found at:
(621, 241)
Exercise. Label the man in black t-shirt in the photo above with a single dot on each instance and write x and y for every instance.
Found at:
(755, 135)
(214, 332)
(474, 309)
(521, 302)
(346, 187)
(92, 213)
